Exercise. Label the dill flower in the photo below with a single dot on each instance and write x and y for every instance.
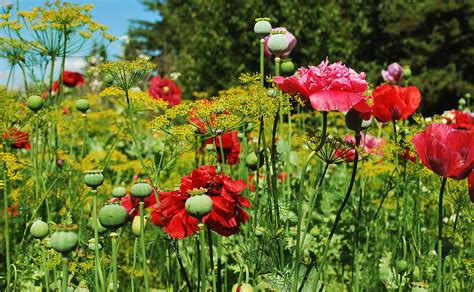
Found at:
(126, 74)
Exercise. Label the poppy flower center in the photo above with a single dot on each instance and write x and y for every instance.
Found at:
(166, 88)
(197, 191)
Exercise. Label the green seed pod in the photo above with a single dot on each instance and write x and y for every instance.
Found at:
(355, 122)
(272, 92)
(262, 26)
(119, 192)
(100, 227)
(113, 216)
(35, 103)
(402, 266)
(136, 225)
(462, 101)
(141, 190)
(64, 240)
(82, 105)
(39, 229)
(407, 71)
(277, 43)
(91, 244)
(287, 66)
(93, 178)
(244, 287)
(251, 161)
(198, 206)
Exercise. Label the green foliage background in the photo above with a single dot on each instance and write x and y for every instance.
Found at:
(211, 42)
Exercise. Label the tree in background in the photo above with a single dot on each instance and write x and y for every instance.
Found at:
(212, 42)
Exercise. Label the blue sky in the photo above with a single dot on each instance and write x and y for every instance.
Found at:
(114, 13)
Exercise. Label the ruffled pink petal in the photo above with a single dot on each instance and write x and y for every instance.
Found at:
(332, 100)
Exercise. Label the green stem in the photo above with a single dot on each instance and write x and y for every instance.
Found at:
(45, 268)
(300, 201)
(142, 241)
(97, 267)
(262, 63)
(277, 66)
(84, 135)
(132, 278)
(338, 214)
(36, 163)
(440, 235)
(113, 237)
(7, 228)
(132, 130)
(202, 258)
(64, 279)
(183, 270)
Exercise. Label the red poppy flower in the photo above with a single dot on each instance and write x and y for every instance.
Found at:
(165, 89)
(18, 139)
(230, 146)
(459, 120)
(226, 216)
(446, 151)
(393, 102)
(72, 79)
(328, 87)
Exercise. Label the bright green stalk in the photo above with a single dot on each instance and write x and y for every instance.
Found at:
(132, 130)
(113, 238)
(35, 154)
(262, 63)
(202, 258)
(142, 239)
(7, 228)
(440, 235)
(45, 268)
(84, 135)
(132, 278)
(97, 267)
(64, 280)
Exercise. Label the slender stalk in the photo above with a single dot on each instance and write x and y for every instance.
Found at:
(142, 241)
(132, 130)
(7, 228)
(440, 235)
(338, 214)
(202, 242)
(45, 269)
(132, 278)
(84, 135)
(300, 201)
(262, 63)
(183, 270)
(65, 276)
(211, 256)
(36, 163)
(98, 277)
(113, 238)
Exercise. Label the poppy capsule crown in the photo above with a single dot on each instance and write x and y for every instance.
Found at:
(141, 190)
(262, 26)
(199, 204)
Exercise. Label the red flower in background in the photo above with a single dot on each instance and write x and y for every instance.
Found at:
(446, 151)
(459, 120)
(165, 89)
(18, 139)
(130, 203)
(71, 79)
(368, 143)
(226, 216)
(229, 142)
(328, 87)
(393, 102)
